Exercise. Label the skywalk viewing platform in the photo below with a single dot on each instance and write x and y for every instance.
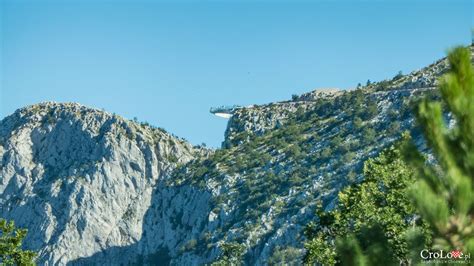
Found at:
(224, 111)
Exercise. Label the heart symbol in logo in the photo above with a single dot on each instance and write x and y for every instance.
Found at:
(456, 253)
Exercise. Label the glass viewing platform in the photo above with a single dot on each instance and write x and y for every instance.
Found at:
(224, 111)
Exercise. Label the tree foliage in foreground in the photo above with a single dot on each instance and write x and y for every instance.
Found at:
(443, 193)
(10, 245)
(380, 201)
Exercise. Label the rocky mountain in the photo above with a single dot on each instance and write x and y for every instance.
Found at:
(96, 189)
(80, 179)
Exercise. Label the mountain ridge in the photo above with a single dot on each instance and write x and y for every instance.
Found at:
(95, 188)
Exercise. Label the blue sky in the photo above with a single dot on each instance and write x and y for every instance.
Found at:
(169, 62)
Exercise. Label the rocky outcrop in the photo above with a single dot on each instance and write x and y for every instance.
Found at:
(257, 119)
(96, 189)
(319, 94)
(80, 179)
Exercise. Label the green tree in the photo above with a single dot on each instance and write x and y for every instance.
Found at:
(370, 111)
(348, 157)
(326, 153)
(232, 253)
(10, 245)
(368, 135)
(380, 201)
(393, 128)
(369, 246)
(358, 122)
(444, 193)
(285, 256)
(399, 75)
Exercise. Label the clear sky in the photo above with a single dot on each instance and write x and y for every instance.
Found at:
(169, 62)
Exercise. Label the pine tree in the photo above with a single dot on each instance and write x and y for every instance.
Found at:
(444, 193)
(379, 207)
(10, 245)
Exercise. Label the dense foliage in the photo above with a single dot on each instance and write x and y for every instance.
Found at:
(380, 200)
(10, 245)
(231, 255)
(444, 195)
(443, 192)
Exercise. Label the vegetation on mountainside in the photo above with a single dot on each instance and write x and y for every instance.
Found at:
(288, 155)
(443, 192)
(11, 239)
(380, 199)
(285, 256)
(319, 149)
(444, 195)
(264, 183)
(231, 254)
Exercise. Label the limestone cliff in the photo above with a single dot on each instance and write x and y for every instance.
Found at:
(96, 189)
(81, 179)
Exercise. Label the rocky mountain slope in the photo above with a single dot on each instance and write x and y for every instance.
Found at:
(96, 189)
(80, 179)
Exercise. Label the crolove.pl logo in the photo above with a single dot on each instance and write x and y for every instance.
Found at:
(441, 256)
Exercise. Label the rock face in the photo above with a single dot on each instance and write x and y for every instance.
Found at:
(259, 118)
(96, 189)
(79, 179)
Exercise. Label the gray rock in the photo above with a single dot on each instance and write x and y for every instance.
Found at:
(96, 189)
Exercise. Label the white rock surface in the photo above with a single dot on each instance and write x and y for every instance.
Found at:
(81, 180)
(95, 189)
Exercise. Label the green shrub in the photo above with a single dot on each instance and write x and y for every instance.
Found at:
(381, 199)
(11, 239)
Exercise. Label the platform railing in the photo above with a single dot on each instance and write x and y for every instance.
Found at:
(224, 109)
